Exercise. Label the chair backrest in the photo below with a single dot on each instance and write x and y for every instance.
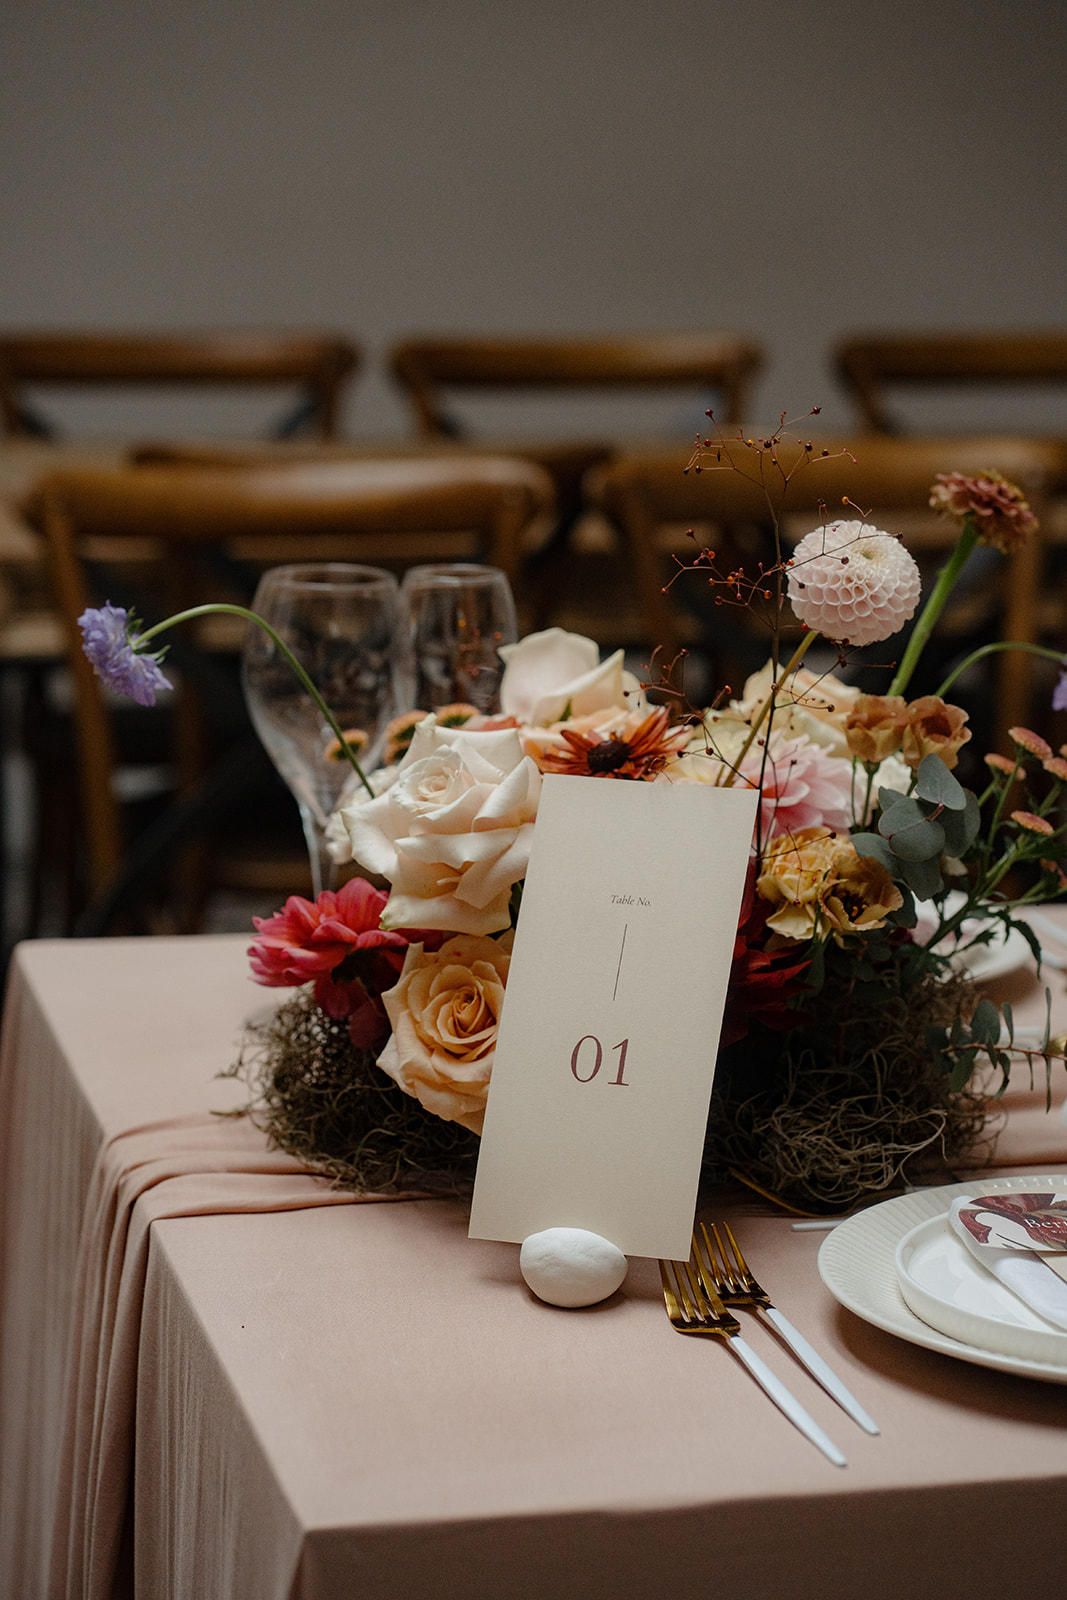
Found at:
(426, 367)
(318, 365)
(869, 364)
(643, 492)
(424, 508)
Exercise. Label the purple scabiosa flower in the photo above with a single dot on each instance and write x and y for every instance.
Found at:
(115, 657)
(1059, 693)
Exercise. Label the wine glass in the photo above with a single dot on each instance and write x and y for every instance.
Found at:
(454, 616)
(339, 620)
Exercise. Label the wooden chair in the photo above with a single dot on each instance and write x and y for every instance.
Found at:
(318, 365)
(652, 502)
(433, 371)
(397, 511)
(869, 364)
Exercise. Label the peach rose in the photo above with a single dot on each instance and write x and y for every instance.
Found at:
(934, 728)
(875, 726)
(819, 885)
(444, 1012)
(452, 833)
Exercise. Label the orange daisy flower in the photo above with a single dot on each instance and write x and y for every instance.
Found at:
(642, 755)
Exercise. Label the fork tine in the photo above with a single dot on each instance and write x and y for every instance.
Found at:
(742, 1264)
(729, 1263)
(669, 1293)
(707, 1266)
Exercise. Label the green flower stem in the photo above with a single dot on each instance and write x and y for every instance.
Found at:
(946, 582)
(768, 705)
(219, 607)
(992, 649)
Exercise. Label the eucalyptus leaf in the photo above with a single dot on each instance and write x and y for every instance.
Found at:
(935, 783)
(915, 841)
(874, 848)
(905, 916)
(961, 827)
(985, 1023)
(923, 878)
(962, 1069)
(897, 811)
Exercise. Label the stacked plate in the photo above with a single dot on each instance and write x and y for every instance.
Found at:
(903, 1268)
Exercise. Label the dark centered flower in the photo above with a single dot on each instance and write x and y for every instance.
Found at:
(642, 755)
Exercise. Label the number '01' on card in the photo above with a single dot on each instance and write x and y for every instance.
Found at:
(607, 1043)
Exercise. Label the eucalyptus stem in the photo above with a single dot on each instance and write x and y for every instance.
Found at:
(768, 705)
(946, 582)
(220, 607)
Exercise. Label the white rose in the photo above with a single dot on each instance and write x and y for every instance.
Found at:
(452, 834)
(547, 673)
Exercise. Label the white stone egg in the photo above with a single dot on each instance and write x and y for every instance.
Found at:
(571, 1266)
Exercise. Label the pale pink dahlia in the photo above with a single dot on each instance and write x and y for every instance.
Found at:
(801, 786)
(853, 583)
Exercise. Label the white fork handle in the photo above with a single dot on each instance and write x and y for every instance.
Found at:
(810, 1358)
(785, 1402)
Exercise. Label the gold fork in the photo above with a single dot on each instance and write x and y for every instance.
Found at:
(727, 1273)
(693, 1307)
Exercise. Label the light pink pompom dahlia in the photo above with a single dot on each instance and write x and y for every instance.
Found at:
(853, 583)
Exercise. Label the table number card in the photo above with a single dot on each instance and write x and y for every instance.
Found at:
(607, 1043)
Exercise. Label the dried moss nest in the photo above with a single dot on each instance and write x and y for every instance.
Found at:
(848, 1111)
(328, 1104)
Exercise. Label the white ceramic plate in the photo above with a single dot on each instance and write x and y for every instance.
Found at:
(857, 1262)
(947, 1288)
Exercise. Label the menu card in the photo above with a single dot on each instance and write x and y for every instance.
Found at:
(607, 1042)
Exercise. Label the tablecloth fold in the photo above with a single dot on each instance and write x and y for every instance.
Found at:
(194, 1166)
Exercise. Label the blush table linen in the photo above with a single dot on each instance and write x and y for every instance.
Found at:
(328, 1401)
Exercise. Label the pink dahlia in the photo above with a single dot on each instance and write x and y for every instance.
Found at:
(853, 583)
(337, 945)
(801, 786)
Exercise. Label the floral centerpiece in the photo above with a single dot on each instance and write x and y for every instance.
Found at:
(854, 1045)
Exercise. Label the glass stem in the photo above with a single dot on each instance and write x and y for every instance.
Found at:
(323, 866)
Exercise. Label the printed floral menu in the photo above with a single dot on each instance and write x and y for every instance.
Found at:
(607, 1044)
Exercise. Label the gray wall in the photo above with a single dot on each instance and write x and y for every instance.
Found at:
(381, 166)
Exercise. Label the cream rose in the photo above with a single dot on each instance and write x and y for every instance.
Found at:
(549, 673)
(452, 833)
(444, 1010)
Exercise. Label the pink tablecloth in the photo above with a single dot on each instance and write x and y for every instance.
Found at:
(335, 1401)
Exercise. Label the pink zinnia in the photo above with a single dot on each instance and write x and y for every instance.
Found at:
(801, 784)
(1000, 512)
(307, 943)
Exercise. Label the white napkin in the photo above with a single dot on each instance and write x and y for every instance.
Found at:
(1025, 1274)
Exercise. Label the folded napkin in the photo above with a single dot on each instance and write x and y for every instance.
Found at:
(195, 1166)
(1024, 1272)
